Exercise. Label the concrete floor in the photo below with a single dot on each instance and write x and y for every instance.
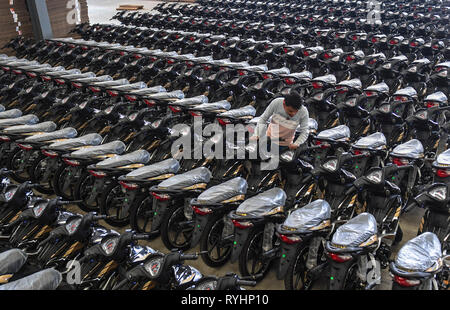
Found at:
(100, 11)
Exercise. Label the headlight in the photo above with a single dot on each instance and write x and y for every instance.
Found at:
(413, 69)
(439, 193)
(375, 177)
(39, 208)
(330, 165)
(73, 225)
(83, 105)
(287, 156)
(351, 102)
(153, 267)
(207, 286)
(318, 97)
(108, 109)
(110, 245)
(10, 194)
(132, 117)
(422, 115)
(385, 108)
(156, 123)
(387, 66)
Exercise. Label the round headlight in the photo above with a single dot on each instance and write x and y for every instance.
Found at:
(375, 176)
(439, 193)
(287, 156)
(330, 165)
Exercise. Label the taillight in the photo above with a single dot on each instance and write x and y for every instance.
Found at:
(97, 174)
(112, 93)
(129, 186)
(414, 44)
(405, 282)
(72, 163)
(317, 85)
(370, 93)
(242, 225)
(223, 121)
(443, 173)
(4, 139)
(323, 145)
(60, 82)
(94, 89)
(267, 76)
(431, 104)
(401, 98)
(393, 42)
(306, 53)
(289, 81)
(174, 109)
(25, 147)
(400, 161)
(149, 102)
(76, 85)
(201, 211)
(170, 61)
(131, 98)
(50, 154)
(160, 197)
(350, 58)
(290, 239)
(339, 258)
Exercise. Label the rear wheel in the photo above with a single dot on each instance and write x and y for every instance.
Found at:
(83, 190)
(211, 241)
(37, 173)
(141, 215)
(251, 260)
(112, 204)
(175, 233)
(15, 160)
(58, 183)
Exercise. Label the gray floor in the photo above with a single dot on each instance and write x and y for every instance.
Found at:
(100, 11)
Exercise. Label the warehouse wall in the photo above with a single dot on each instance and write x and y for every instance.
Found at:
(15, 18)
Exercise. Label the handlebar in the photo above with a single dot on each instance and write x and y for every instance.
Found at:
(189, 256)
(141, 236)
(246, 283)
(64, 202)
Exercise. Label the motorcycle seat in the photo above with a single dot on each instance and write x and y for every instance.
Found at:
(129, 87)
(443, 160)
(329, 79)
(135, 159)
(65, 133)
(340, 132)
(186, 180)
(94, 79)
(111, 83)
(312, 126)
(380, 87)
(244, 112)
(173, 95)
(28, 119)
(63, 73)
(419, 253)
(376, 140)
(411, 149)
(279, 71)
(164, 168)
(148, 91)
(307, 217)
(34, 128)
(408, 91)
(355, 231)
(445, 64)
(218, 106)
(262, 203)
(13, 113)
(353, 83)
(183, 57)
(11, 261)
(35, 67)
(86, 140)
(76, 76)
(187, 102)
(222, 192)
(47, 279)
(103, 150)
(437, 97)
(304, 75)
(203, 59)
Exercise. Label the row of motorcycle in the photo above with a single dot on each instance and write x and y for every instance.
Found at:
(275, 215)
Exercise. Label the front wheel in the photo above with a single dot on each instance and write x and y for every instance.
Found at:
(112, 204)
(218, 250)
(60, 178)
(16, 165)
(83, 189)
(39, 174)
(141, 215)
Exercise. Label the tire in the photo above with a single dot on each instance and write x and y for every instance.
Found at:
(82, 190)
(170, 232)
(211, 236)
(253, 249)
(298, 267)
(111, 200)
(13, 163)
(58, 181)
(141, 215)
(36, 171)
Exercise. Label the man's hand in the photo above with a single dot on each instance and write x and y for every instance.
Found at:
(254, 138)
(293, 146)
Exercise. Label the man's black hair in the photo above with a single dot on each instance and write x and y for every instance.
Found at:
(293, 100)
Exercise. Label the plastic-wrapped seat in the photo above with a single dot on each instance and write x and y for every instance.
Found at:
(148, 91)
(412, 149)
(166, 167)
(329, 79)
(11, 261)
(134, 158)
(407, 91)
(244, 112)
(375, 141)
(355, 231)
(115, 147)
(218, 106)
(187, 179)
(309, 216)
(189, 102)
(86, 140)
(443, 160)
(13, 113)
(258, 205)
(65, 133)
(353, 83)
(419, 253)
(379, 88)
(28, 119)
(438, 97)
(47, 279)
(341, 132)
(222, 192)
(173, 95)
(39, 127)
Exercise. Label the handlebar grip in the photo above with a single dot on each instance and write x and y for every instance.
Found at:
(410, 206)
(246, 283)
(189, 256)
(141, 236)
(100, 217)
(67, 202)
